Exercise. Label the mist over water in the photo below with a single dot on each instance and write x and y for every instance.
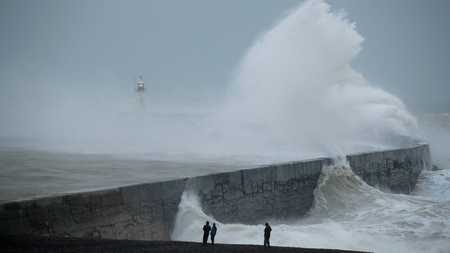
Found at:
(293, 95)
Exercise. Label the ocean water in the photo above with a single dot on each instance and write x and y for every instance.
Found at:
(26, 173)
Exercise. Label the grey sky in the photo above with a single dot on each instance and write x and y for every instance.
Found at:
(188, 49)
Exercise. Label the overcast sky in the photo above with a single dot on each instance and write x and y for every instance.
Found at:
(190, 48)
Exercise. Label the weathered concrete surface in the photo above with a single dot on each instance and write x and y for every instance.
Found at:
(393, 170)
(250, 196)
(134, 212)
(147, 211)
(62, 245)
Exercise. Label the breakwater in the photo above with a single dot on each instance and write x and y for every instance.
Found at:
(148, 211)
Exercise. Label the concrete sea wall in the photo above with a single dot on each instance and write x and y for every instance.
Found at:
(393, 170)
(250, 196)
(147, 211)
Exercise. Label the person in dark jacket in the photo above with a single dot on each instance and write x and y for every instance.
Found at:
(206, 229)
(213, 233)
(267, 231)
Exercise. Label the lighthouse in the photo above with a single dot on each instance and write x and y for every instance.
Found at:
(140, 85)
(140, 89)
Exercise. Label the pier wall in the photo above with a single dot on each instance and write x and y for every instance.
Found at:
(393, 170)
(250, 196)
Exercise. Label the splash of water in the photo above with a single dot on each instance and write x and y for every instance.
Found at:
(295, 90)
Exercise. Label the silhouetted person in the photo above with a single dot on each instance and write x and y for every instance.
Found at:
(213, 233)
(206, 229)
(267, 231)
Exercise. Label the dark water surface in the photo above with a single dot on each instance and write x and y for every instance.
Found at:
(30, 173)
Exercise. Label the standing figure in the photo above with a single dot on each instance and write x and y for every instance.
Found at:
(206, 229)
(213, 233)
(267, 231)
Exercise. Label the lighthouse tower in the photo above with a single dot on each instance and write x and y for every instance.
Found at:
(140, 89)
(140, 86)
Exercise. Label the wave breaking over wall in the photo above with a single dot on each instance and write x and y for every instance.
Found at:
(295, 91)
